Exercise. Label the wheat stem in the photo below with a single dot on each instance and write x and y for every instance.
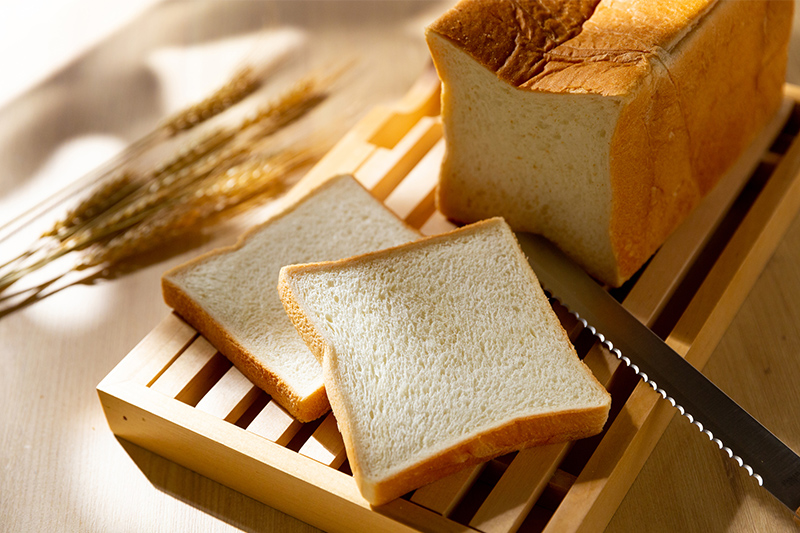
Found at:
(20, 257)
(212, 153)
(14, 276)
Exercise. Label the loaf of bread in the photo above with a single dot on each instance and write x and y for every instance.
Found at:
(229, 295)
(439, 354)
(600, 125)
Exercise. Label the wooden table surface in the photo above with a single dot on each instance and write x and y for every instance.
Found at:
(61, 468)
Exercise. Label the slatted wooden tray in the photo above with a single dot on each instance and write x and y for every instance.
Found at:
(175, 395)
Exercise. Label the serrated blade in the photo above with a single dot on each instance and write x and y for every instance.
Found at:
(773, 464)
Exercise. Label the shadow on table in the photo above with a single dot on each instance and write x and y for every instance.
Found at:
(110, 90)
(208, 496)
(113, 90)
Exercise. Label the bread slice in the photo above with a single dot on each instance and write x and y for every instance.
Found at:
(440, 354)
(601, 125)
(229, 295)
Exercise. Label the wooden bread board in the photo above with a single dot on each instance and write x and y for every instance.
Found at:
(175, 395)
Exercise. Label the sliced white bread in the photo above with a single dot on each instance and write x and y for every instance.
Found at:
(440, 354)
(601, 125)
(229, 294)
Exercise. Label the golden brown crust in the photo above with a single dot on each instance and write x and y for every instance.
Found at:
(303, 409)
(557, 46)
(652, 183)
(610, 55)
(511, 37)
(692, 101)
(690, 122)
(517, 434)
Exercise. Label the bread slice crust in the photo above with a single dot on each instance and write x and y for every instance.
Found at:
(517, 433)
(303, 407)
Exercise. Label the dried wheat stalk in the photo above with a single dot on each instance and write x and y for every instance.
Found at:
(192, 153)
(189, 166)
(221, 195)
(242, 84)
(219, 149)
(212, 177)
(100, 200)
(218, 198)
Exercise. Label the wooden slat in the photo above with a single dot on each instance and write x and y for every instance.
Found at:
(348, 154)
(148, 359)
(325, 444)
(443, 495)
(277, 476)
(420, 518)
(385, 169)
(230, 397)
(185, 368)
(273, 422)
(377, 130)
(420, 101)
(423, 210)
(601, 485)
(412, 199)
(437, 224)
(743, 259)
(518, 489)
(559, 484)
(204, 379)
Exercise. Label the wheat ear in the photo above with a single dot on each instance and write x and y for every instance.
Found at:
(243, 83)
(163, 188)
(217, 199)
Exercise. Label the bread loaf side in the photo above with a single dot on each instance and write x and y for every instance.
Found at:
(601, 125)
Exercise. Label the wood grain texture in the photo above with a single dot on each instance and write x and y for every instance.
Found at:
(326, 444)
(176, 380)
(230, 397)
(273, 422)
(756, 363)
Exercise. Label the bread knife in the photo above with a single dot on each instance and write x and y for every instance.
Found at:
(773, 464)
